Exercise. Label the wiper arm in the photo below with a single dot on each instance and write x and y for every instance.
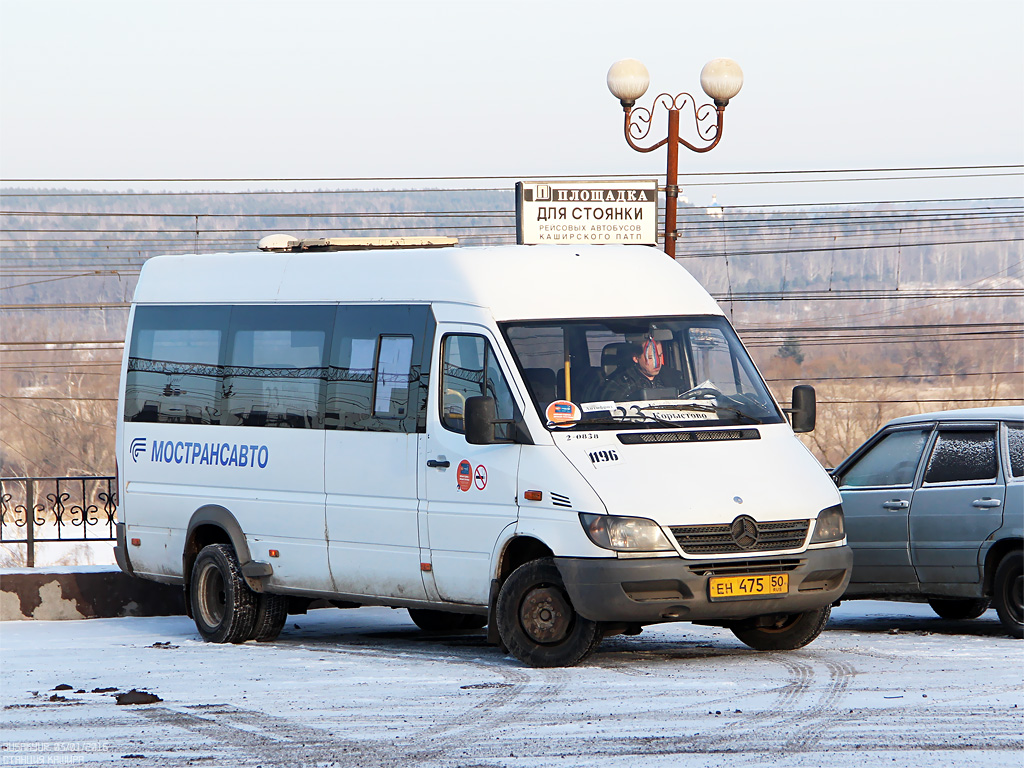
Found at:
(738, 412)
(709, 408)
(677, 407)
(655, 417)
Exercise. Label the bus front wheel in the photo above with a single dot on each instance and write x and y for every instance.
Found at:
(537, 621)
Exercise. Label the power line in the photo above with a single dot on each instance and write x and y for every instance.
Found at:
(26, 458)
(296, 214)
(745, 330)
(66, 417)
(60, 398)
(906, 169)
(929, 400)
(698, 213)
(901, 376)
(48, 437)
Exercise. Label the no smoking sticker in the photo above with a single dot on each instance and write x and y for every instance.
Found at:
(464, 475)
(480, 477)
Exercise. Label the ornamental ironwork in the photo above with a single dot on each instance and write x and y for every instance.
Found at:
(40, 510)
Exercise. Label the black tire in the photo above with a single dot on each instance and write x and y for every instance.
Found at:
(443, 621)
(223, 606)
(536, 620)
(1007, 593)
(960, 610)
(787, 633)
(271, 614)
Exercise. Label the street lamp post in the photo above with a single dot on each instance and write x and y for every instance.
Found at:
(721, 79)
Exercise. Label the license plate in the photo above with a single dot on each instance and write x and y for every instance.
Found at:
(766, 585)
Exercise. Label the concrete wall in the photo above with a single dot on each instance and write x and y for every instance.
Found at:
(83, 592)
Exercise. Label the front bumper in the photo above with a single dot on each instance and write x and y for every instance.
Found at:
(658, 589)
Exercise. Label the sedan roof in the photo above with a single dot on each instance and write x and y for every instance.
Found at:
(999, 413)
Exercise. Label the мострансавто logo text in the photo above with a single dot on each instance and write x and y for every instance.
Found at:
(215, 454)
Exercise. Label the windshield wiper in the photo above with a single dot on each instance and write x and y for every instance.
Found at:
(738, 412)
(638, 413)
(659, 419)
(709, 408)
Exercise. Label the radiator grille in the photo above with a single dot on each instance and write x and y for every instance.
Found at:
(640, 438)
(718, 539)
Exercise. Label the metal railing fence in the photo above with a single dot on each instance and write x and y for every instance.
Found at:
(39, 510)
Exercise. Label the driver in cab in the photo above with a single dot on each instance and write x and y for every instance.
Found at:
(647, 372)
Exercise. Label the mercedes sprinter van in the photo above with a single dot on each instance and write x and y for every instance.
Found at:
(560, 443)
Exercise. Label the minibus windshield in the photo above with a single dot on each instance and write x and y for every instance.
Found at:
(639, 372)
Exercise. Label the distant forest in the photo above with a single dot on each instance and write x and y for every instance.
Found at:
(733, 250)
(887, 309)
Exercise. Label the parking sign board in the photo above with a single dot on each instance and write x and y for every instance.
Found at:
(572, 212)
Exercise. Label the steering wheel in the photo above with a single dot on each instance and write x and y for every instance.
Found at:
(700, 393)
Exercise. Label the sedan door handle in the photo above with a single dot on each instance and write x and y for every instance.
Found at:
(896, 504)
(444, 464)
(986, 503)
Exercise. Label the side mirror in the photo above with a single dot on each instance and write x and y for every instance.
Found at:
(804, 411)
(480, 415)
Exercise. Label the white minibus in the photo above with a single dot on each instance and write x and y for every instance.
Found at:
(559, 443)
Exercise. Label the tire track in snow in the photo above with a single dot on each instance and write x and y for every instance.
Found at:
(788, 711)
(504, 701)
(813, 723)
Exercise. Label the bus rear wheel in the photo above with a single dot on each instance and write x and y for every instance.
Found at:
(785, 632)
(444, 621)
(223, 606)
(271, 615)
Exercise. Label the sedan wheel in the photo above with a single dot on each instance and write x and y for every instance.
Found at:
(1009, 593)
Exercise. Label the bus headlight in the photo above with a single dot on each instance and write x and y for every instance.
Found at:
(634, 534)
(829, 526)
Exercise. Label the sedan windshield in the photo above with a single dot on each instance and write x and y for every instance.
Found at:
(639, 372)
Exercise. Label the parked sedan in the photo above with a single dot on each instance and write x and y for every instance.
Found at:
(934, 509)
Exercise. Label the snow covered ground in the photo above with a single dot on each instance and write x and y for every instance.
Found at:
(886, 684)
(50, 554)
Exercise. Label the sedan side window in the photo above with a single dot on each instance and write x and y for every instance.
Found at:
(892, 461)
(962, 456)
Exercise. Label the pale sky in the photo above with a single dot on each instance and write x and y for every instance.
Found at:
(444, 88)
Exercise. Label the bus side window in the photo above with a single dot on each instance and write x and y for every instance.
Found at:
(275, 366)
(393, 377)
(376, 381)
(175, 365)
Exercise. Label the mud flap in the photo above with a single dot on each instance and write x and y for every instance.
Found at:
(255, 572)
(492, 620)
(121, 551)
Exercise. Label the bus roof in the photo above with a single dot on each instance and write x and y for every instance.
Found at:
(519, 282)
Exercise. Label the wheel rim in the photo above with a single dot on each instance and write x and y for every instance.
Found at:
(546, 615)
(782, 623)
(212, 599)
